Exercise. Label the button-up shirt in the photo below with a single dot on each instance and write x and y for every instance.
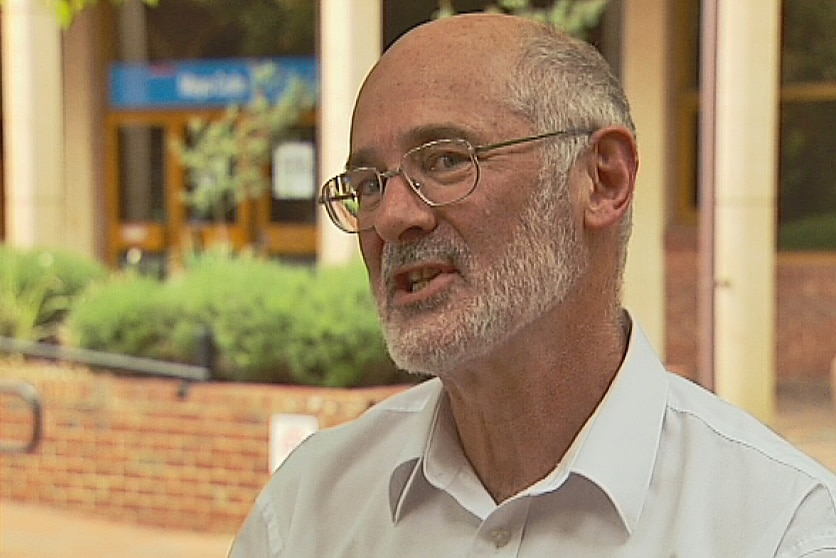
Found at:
(661, 468)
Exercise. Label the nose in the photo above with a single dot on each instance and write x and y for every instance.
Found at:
(402, 215)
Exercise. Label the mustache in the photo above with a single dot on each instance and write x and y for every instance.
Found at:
(445, 249)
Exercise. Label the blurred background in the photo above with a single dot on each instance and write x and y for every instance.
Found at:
(160, 165)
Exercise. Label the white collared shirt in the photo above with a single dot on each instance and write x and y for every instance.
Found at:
(661, 468)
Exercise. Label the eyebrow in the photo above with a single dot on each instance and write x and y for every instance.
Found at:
(413, 138)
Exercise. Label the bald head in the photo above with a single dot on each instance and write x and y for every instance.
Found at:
(484, 39)
(474, 52)
(552, 79)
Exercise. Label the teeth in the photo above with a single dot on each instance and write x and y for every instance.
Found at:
(420, 278)
(418, 285)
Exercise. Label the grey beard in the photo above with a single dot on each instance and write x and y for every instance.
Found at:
(537, 269)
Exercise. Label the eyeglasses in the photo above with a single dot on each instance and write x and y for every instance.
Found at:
(440, 172)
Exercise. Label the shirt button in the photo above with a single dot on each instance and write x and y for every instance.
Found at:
(500, 537)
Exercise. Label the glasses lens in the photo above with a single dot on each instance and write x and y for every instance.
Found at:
(352, 197)
(444, 171)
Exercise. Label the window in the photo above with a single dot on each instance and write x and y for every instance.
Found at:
(807, 191)
(141, 156)
(187, 59)
(190, 29)
(807, 177)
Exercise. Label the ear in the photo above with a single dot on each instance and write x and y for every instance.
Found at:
(613, 173)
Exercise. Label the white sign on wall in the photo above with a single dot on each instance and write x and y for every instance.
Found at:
(293, 171)
(286, 432)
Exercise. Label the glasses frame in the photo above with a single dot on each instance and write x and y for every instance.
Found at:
(475, 153)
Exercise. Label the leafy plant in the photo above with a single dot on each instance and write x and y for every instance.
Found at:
(225, 158)
(270, 321)
(127, 315)
(339, 333)
(65, 11)
(249, 305)
(22, 304)
(38, 287)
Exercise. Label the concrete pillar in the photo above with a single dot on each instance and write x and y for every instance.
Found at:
(351, 39)
(32, 126)
(644, 77)
(83, 125)
(746, 143)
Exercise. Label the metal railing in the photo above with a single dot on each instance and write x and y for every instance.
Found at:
(29, 395)
(112, 361)
(95, 359)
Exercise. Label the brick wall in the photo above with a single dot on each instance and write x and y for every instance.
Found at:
(132, 449)
(805, 313)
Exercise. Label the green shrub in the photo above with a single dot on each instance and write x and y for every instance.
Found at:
(338, 333)
(270, 322)
(248, 305)
(130, 315)
(38, 287)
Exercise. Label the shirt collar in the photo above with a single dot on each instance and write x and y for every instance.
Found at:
(407, 464)
(619, 449)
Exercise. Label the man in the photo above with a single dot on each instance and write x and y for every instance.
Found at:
(490, 179)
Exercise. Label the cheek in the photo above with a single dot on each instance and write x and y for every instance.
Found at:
(371, 248)
(501, 213)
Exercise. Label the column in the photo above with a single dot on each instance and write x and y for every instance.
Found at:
(350, 44)
(746, 143)
(84, 122)
(32, 126)
(644, 78)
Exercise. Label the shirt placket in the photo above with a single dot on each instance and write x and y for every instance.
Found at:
(501, 533)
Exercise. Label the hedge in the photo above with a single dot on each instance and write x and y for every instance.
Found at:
(38, 288)
(269, 321)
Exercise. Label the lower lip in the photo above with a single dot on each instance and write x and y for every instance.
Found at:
(436, 285)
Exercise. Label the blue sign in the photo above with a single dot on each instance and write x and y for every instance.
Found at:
(207, 83)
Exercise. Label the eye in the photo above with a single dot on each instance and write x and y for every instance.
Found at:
(444, 159)
(367, 186)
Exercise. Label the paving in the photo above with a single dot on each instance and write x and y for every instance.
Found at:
(804, 415)
(28, 531)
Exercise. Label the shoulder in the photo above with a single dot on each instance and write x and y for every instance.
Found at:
(379, 430)
(730, 431)
(728, 468)
(367, 447)
(391, 418)
(337, 472)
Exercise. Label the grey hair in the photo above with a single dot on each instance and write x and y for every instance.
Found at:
(563, 83)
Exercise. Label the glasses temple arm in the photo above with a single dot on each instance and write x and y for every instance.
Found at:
(492, 146)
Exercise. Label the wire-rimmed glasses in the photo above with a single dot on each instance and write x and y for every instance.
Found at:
(440, 172)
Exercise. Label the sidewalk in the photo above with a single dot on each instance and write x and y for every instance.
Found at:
(804, 415)
(28, 531)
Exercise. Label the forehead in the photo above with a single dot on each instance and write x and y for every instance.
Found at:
(445, 77)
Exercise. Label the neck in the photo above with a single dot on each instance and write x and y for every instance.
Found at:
(518, 409)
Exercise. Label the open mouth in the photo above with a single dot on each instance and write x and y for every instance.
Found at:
(418, 279)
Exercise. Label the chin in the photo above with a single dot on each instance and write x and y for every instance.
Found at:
(436, 353)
